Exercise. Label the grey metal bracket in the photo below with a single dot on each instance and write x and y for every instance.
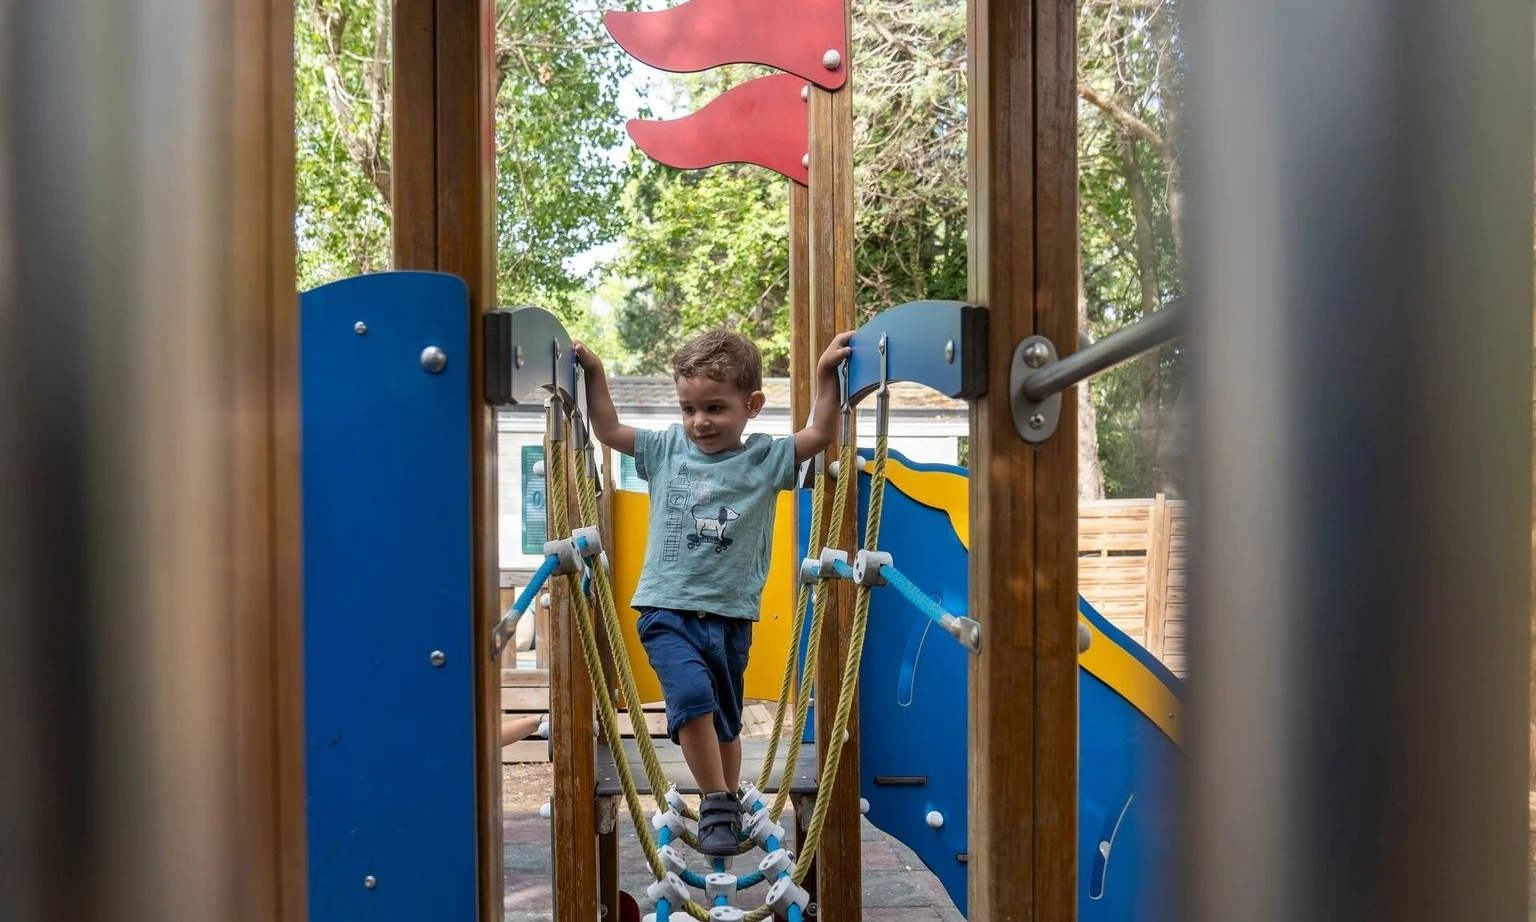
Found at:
(1035, 421)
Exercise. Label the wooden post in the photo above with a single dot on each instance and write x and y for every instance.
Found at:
(1155, 606)
(1023, 250)
(801, 360)
(443, 199)
(830, 251)
(266, 514)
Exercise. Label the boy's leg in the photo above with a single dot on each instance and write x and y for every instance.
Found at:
(730, 762)
(703, 753)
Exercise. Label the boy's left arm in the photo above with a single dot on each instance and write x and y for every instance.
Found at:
(822, 429)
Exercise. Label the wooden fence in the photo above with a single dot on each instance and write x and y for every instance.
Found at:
(1131, 567)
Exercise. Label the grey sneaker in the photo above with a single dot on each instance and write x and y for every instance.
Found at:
(719, 825)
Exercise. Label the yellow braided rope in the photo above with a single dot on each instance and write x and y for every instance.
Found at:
(607, 714)
(586, 491)
(813, 648)
(850, 667)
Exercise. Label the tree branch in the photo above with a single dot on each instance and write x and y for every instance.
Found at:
(1127, 119)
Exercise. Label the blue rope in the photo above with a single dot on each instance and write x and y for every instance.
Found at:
(664, 909)
(843, 570)
(915, 595)
(540, 575)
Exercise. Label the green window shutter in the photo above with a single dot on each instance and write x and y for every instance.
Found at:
(535, 523)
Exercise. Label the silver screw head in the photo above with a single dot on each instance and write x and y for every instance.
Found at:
(1037, 421)
(805, 92)
(438, 658)
(360, 328)
(517, 357)
(370, 882)
(1035, 355)
(832, 60)
(434, 359)
(805, 161)
(949, 352)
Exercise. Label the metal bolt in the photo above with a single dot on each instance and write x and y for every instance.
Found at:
(832, 60)
(518, 357)
(360, 328)
(949, 352)
(438, 658)
(544, 601)
(1035, 355)
(1037, 421)
(805, 92)
(434, 359)
(370, 881)
(805, 161)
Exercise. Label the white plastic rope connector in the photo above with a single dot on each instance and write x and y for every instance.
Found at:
(786, 893)
(830, 558)
(672, 860)
(563, 550)
(810, 571)
(761, 827)
(670, 888)
(674, 798)
(866, 567)
(588, 540)
(726, 914)
(669, 820)
(717, 885)
(750, 797)
(777, 863)
(859, 462)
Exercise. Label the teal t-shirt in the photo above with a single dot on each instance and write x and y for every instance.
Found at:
(711, 525)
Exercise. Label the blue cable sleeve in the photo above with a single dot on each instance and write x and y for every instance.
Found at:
(664, 909)
(843, 570)
(751, 880)
(772, 845)
(692, 879)
(537, 583)
(793, 916)
(916, 596)
(665, 836)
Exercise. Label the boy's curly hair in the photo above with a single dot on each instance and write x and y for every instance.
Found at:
(721, 355)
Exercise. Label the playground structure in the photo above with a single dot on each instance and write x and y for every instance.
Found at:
(202, 813)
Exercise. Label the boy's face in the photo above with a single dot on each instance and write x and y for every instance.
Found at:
(715, 413)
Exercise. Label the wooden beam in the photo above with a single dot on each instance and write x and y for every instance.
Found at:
(830, 250)
(413, 134)
(801, 362)
(443, 191)
(265, 514)
(1024, 685)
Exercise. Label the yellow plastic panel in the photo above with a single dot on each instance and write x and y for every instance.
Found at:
(771, 636)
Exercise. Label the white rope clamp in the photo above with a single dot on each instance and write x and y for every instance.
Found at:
(777, 863)
(810, 571)
(830, 558)
(760, 826)
(726, 914)
(583, 542)
(671, 859)
(717, 885)
(866, 567)
(786, 893)
(669, 820)
(670, 888)
(750, 797)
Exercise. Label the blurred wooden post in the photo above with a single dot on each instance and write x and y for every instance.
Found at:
(1023, 259)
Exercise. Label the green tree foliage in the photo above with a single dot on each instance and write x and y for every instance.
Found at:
(557, 187)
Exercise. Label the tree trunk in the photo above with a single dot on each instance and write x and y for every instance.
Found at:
(1151, 300)
(1090, 475)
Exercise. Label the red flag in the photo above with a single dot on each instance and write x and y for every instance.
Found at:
(762, 121)
(804, 37)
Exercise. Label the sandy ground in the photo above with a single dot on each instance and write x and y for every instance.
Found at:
(526, 786)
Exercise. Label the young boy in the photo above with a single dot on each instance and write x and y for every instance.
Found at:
(713, 499)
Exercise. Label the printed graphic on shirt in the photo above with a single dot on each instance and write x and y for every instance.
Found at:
(710, 524)
(680, 498)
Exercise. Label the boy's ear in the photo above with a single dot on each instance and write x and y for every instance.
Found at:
(755, 401)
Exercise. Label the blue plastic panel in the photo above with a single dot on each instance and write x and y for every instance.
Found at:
(387, 567)
(918, 336)
(914, 718)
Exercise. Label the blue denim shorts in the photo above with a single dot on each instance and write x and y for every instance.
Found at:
(701, 660)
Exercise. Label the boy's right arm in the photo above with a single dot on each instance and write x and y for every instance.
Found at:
(600, 411)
